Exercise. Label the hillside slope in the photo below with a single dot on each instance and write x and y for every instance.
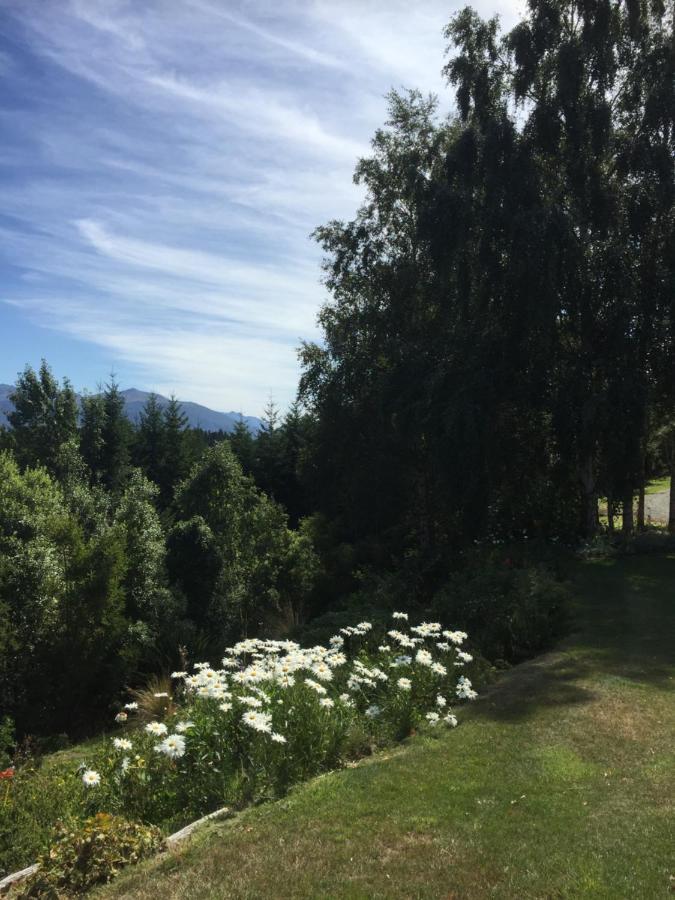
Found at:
(559, 783)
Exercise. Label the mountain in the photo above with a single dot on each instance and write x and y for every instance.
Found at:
(134, 400)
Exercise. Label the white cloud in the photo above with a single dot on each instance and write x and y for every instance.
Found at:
(170, 159)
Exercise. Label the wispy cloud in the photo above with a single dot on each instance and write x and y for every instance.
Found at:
(165, 163)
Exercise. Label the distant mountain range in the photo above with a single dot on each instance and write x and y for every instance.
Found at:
(198, 416)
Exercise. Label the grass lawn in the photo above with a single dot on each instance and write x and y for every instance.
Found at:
(559, 783)
(658, 485)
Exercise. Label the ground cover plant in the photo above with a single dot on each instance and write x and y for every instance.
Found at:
(272, 715)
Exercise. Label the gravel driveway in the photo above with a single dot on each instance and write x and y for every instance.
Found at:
(656, 507)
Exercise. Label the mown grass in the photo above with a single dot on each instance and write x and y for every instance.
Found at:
(658, 485)
(559, 783)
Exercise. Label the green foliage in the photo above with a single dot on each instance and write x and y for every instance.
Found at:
(175, 462)
(454, 360)
(231, 553)
(44, 416)
(149, 440)
(116, 439)
(31, 803)
(93, 853)
(65, 571)
(7, 742)
(514, 612)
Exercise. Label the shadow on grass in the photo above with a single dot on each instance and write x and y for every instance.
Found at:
(625, 624)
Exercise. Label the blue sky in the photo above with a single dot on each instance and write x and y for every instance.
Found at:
(162, 165)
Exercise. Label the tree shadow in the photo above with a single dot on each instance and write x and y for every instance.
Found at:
(626, 622)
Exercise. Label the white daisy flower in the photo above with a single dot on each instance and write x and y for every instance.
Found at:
(131, 706)
(450, 720)
(251, 701)
(432, 718)
(181, 727)
(173, 746)
(258, 721)
(464, 689)
(91, 778)
(326, 702)
(404, 683)
(424, 658)
(156, 728)
(373, 711)
(278, 738)
(122, 744)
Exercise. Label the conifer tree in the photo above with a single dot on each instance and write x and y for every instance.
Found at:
(149, 443)
(116, 438)
(175, 461)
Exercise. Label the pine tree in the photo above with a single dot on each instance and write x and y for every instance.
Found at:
(243, 445)
(149, 444)
(91, 433)
(175, 461)
(116, 437)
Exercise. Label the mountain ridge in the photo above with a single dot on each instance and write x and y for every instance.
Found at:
(198, 416)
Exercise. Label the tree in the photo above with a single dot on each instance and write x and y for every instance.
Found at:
(592, 84)
(116, 437)
(231, 553)
(91, 433)
(243, 445)
(149, 444)
(491, 312)
(66, 653)
(175, 463)
(44, 416)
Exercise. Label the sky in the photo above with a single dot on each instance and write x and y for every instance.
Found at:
(162, 166)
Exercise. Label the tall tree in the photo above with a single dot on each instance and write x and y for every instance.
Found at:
(175, 460)
(243, 445)
(91, 432)
(44, 416)
(149, 443)
(116, 437)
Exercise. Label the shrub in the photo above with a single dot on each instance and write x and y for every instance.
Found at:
(7, 742)
(275, 714)
(514, 612)
(31, 802)
(90, 854)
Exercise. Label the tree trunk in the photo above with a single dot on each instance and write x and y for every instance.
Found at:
(641, 507)
(627, 526)
(641, 494)
(589, 498)
(671, 508)
(610, 513)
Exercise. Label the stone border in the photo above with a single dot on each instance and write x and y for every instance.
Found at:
(169, 842)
